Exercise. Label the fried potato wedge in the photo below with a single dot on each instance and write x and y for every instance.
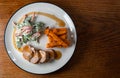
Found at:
(57, 37)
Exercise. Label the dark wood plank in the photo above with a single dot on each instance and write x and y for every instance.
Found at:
(97, 51)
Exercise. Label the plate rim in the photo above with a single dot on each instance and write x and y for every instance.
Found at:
(7, 26)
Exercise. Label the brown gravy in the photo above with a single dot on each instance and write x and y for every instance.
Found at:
(58, 55)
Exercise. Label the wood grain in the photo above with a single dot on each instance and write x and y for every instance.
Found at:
(97, 54)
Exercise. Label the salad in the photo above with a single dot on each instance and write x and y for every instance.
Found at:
(27, 30)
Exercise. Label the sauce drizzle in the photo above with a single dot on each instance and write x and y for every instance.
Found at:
(58, 54)
(60, 22)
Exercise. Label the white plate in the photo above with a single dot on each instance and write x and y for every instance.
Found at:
(16, 56)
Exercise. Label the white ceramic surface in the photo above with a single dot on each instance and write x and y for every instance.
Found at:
(16, 56)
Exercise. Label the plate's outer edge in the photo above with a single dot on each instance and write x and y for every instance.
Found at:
(5, 35)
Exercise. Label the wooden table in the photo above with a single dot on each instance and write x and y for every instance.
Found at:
(97, 53)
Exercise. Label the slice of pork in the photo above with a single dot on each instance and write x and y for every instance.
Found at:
(28, 55)
(35, 58)
(51, 54)
(44, 56)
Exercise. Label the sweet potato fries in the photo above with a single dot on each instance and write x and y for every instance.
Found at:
(57, 37)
